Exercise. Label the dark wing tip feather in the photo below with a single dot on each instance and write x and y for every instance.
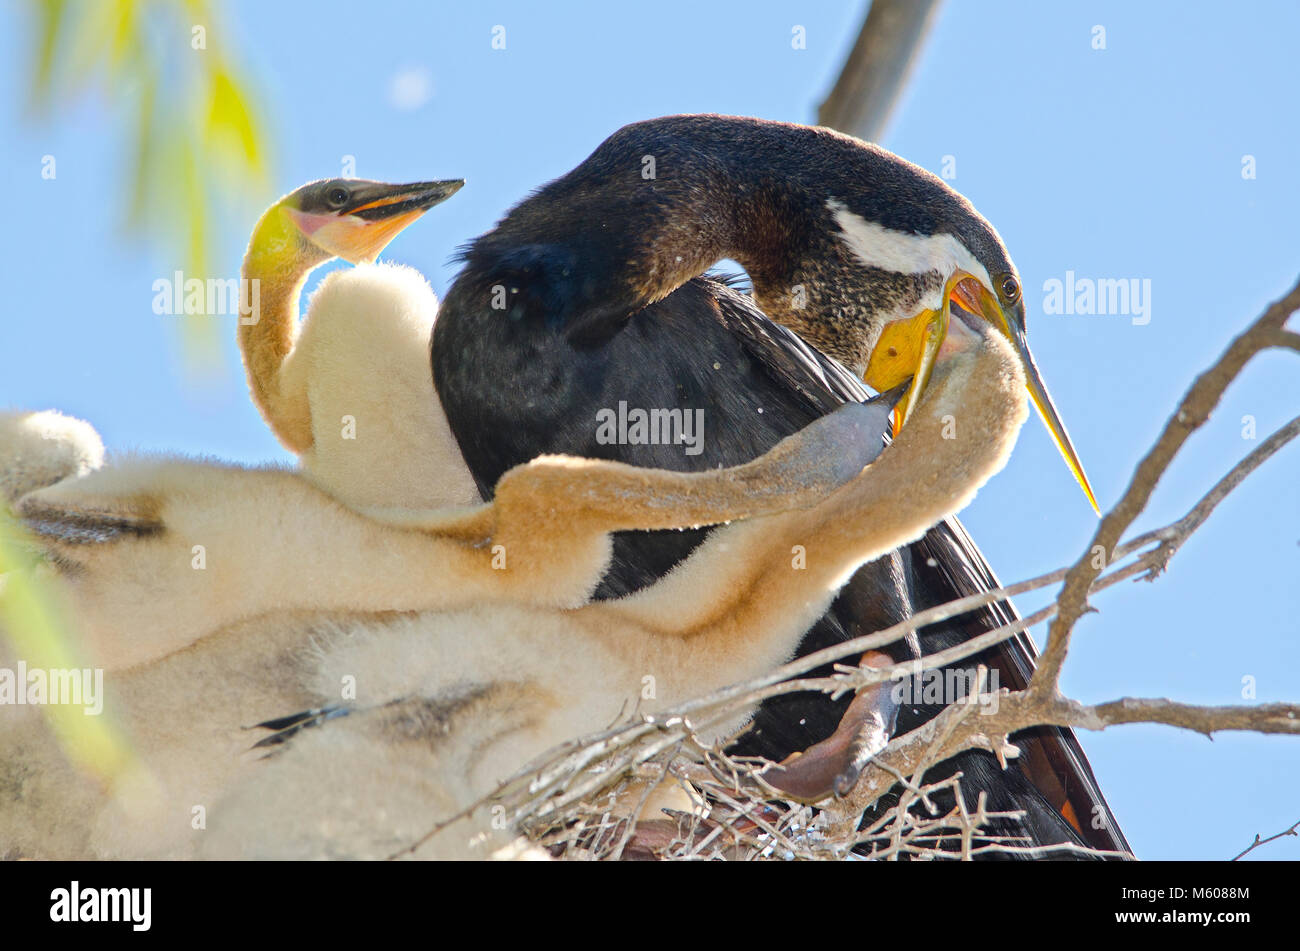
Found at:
(283, 728)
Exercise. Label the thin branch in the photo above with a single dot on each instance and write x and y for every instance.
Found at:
(1191, 414)
(1020, 710)
(1294, 830)
(1285, 338)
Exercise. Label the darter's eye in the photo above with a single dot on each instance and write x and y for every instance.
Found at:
(1010, 289)
(337, 197)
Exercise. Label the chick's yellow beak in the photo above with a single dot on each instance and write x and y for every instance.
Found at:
(910, 347)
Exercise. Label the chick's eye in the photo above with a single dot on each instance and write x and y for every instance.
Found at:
(1010, 288)
(337, 197)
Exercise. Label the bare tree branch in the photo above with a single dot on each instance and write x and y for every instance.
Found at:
(1294, 830)
(1191, 414)
(877, 68)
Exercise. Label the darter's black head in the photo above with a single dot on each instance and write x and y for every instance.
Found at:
(859, 251)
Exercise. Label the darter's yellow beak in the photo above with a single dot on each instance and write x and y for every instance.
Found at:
(910, 348)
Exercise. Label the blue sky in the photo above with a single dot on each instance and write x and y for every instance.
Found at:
(1117, 163)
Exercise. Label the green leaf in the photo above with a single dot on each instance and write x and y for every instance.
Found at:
(49, 30)
(230, 120)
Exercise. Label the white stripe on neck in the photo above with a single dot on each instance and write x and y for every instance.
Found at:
(906, 253)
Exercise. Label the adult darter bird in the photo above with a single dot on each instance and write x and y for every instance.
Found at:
(587, 295)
